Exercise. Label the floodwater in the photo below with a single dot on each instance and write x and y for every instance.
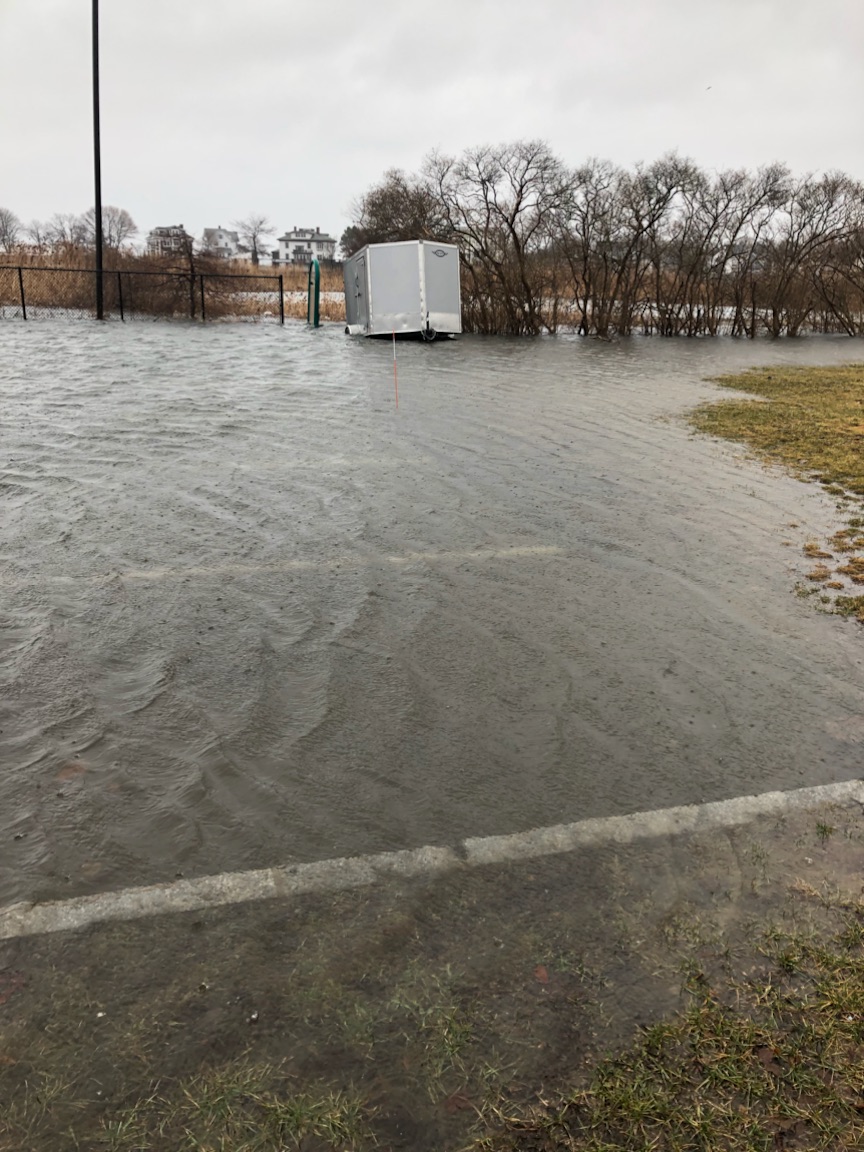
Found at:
(251, 613)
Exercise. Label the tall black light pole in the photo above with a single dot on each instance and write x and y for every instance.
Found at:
(97, 165)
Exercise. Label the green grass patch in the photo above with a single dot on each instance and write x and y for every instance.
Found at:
(810, 419)
(850, 606)
(240, 1107)
(774, 1061)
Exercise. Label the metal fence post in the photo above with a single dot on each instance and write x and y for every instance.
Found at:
(203, 314)
(281, 299)
(120, 294)
(97, 169)
(21, 290)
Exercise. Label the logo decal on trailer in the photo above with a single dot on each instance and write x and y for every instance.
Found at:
(439, 252)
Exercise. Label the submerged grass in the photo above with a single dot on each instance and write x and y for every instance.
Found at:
(770, 1062)
(240, 1107)
(490, 1011)
(812, 421)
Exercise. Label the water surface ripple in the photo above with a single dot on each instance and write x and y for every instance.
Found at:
(251, 614)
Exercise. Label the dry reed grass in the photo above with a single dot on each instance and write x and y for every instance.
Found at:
(144, 285)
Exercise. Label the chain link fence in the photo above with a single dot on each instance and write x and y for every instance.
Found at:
(34, 293)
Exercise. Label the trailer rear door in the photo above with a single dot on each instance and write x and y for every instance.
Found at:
(395, 288)
(443, 301)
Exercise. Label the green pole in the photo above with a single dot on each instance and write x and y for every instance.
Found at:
(312, 305)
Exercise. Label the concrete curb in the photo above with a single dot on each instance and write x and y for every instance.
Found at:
(363, 871)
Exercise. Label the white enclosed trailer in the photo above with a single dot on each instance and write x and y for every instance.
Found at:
(410, 287)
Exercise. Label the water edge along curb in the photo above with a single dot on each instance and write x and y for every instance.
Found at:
(34, 919)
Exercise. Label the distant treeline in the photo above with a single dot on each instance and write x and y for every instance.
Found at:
(663, 248)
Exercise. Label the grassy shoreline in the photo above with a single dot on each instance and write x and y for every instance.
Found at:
(811, 421)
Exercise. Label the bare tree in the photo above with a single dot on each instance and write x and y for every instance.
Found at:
(839, 274)
(10, 230)
(726, 207)
(592, 235)
(401, 207)
(36, 233)
(117, 226)
(756, 199)
(253, 230)
(65, 230)
(502, 204)
(815, 214)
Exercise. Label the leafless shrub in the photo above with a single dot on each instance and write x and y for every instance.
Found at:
(662, 248)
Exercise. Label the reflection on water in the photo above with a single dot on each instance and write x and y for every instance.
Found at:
(251, 613)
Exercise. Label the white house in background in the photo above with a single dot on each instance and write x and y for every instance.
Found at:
(301, 245)
(168, 240)
(220, 242)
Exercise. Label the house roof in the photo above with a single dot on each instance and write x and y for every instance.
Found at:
(220, 231)
(307, 234)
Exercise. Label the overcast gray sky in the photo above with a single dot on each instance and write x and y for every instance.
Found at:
(215, 108)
